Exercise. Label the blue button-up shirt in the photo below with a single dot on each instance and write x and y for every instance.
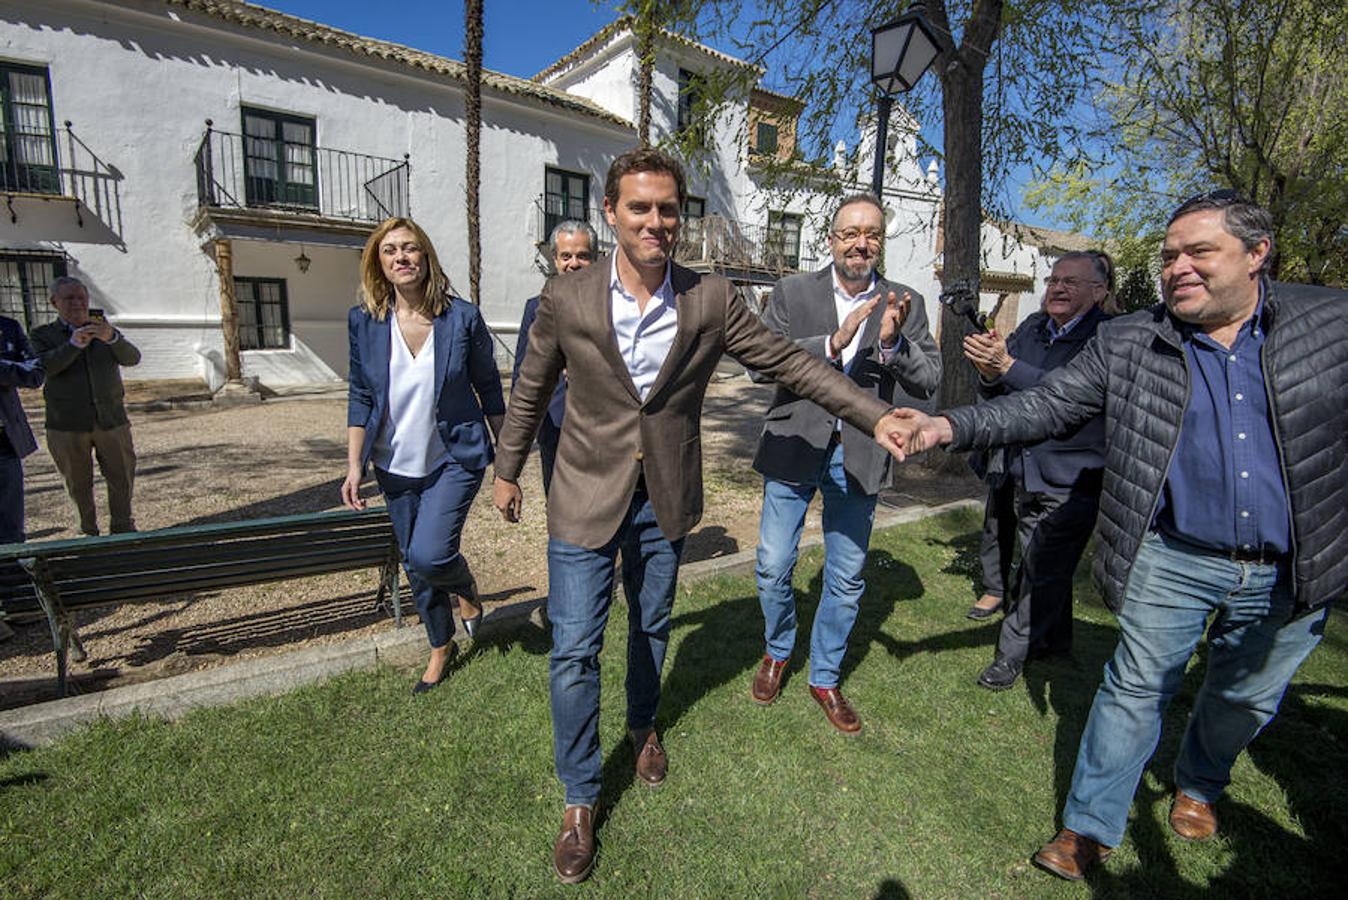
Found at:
(1225, 489)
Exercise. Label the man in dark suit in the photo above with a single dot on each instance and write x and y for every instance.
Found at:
(876, 332)
(639, 339)
(1057, 481)
(19, 367)
(86, 416)
(573, 245)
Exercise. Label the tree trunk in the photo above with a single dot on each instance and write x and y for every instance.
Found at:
(472, 60)
(963, 221)
(229, 310)
(645, 34)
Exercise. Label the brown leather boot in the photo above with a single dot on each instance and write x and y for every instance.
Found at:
(1192, 819)
(1069, 855)
(573, 854)
(767, 681)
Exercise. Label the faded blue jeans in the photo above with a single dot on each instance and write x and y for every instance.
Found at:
(580, 591)
(848, 515)
(1253, 652)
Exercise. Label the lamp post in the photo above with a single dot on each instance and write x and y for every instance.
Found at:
(900, 53)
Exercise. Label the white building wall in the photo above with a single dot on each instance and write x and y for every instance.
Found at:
(138, 85)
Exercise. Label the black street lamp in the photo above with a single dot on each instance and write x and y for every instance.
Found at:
(900, 53)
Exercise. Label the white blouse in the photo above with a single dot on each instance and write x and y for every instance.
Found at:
(409, 443)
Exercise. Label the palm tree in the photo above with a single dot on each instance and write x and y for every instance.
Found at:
(472, 61)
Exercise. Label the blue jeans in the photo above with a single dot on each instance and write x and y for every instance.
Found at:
(580, 590)
(428, 515)
(848, 515)
(1253, 652)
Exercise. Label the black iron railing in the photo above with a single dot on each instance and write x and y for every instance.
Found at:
(234, 172)
(62, 165)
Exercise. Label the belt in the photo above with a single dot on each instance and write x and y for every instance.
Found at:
(1257, 555)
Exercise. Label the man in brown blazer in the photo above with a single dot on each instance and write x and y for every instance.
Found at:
(638, 338)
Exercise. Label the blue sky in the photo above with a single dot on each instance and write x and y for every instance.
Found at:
(520, 37)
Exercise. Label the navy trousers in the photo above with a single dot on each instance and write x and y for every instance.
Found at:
(11, 493)
(428, 515)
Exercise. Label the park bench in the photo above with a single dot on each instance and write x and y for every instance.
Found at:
(52, 579)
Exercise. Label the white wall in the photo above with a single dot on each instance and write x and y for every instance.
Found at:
(138, 85)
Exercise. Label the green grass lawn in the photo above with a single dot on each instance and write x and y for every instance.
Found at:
(354, 788)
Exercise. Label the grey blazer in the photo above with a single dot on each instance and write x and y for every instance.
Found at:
(797, 431)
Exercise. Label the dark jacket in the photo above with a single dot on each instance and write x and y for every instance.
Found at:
(1074, 462)
(552, 425)
(19, 367)
(797, 431)
(84, 384)
(467, 383)
(1136, 372)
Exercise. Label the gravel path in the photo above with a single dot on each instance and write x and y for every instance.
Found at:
(287, 456)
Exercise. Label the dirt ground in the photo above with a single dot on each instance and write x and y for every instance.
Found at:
(287, 455)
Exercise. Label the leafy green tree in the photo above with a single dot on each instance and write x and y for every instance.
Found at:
(1221, 93)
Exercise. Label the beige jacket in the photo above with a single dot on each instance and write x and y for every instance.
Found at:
(609, 436)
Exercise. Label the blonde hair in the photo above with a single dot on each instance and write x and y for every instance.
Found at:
(376, 292)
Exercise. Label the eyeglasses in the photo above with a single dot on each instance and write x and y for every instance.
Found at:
(1070, 283)
(851, 235)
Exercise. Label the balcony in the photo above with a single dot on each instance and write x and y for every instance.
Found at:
(741, 252)
(57, 168)
(242, 180)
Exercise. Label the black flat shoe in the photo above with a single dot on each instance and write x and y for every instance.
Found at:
(471, 625)
(978, 613)
(1001, 675)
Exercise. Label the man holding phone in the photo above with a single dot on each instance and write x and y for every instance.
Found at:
(86, 417)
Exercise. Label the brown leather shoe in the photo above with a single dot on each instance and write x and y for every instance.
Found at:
(1192, 819)
(1069, 855)
(767, 681)
(840, 713)
(573, 854)
(651, 760)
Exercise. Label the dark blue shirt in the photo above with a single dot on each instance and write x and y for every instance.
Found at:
(1225, 489)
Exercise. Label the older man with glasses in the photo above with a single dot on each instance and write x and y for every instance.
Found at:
(1056, 481)
(876, 332)
(1222, 510)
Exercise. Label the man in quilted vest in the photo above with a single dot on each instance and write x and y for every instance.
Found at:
(1221, 510)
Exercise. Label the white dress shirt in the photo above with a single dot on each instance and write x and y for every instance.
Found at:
(644, 339)
(408, 443)
(845, 303)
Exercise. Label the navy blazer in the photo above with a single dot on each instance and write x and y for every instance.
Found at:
(1075, 461)
(19, 367)
(467, 383)
(557, 405)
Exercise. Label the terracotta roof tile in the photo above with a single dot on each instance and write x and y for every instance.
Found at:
(624, 23)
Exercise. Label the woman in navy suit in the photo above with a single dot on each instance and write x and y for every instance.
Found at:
(423, 386)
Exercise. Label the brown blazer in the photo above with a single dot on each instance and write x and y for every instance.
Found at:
(609, 437)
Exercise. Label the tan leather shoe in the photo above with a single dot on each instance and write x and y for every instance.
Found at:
(1069, 855)
(767, 681)
(1192, 819)
(652, 764)
(840, 713)
(573, 854)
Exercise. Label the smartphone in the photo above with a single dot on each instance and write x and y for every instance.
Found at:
(96, 315)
